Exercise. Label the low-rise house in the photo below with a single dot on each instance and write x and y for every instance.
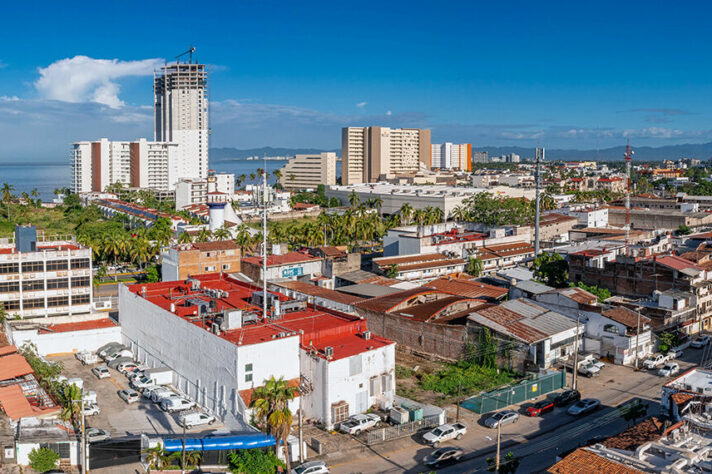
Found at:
(419, 268)
(180, 261)
(59, 436)
(535, 336)
(64, 334)
(499, 257)
(337, 260)
(695, 383)
(316, 295)
(290, 265)
(527, 289)
(555, 227)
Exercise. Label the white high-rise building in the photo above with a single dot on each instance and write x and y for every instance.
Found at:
(451, 156)
(181, 114)
(141, 164)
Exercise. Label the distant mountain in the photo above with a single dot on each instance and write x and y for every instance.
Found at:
(227, 154)
(702, 151)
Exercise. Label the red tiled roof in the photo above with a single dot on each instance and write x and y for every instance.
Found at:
(384, 262)
(215, 245)
(467, 288)
(5, 350)
(583, 461)
(648, 430)
(14, 402)
(625, 316)
(12, 366)
(609, 180)
(78, 326)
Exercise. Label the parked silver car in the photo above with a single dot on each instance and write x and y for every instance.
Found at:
(501, 418)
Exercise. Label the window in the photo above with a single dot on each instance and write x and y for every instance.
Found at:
(60, 448)
(80, 263)
(80, 299)
(33, 303)
(9, 268)
(9, 287)
(210, 268)
(248, 372)
(55, 301)
(226, 266)
(339, 412)
(54, 265)
(612, 328)
(80, 281)
(57, 283)
(248, 378)
(28, 267)
(8, 305)
(33, 285)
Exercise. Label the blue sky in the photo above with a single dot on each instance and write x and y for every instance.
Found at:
(562, 74)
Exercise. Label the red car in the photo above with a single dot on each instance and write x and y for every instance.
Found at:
(539, 408)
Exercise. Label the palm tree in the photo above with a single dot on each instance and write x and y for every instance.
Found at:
(204, 235)
(271, 407)
(193, 458)
(406, 211)
(36, 196)
(158, 458)
(241, 179)
(252, 177)
(243, 238)
(184, 238)
(71, 401)
(354, 200)
(7, 196)
(460, 213)
(221, 233)
(474, 266)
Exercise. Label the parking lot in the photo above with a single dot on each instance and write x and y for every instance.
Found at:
(118, 417)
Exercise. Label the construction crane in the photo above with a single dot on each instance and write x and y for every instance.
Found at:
(189, 52)
(628, 155)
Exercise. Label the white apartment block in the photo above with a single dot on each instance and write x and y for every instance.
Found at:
(309, 171)
(451, 156)
(40, 279)
(369, 153)
(195, 191)
(181, 114)
(96, 165)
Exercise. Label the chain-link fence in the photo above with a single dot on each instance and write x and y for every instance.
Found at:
(524, 390)
(382, 435)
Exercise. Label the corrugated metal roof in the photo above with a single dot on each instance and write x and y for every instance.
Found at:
(13, 365)
(470, 289)
(530, 286)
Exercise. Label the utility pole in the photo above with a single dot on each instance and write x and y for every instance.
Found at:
(637, 335)
(459, 397)
(83, 445)
(182, 462)
(628, 155)
(499, 439)
(576, 344)
(539, 158)
(264, 241)
(301, 442)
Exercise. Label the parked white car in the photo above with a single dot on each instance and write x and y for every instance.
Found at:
(95, 435)
(311, 467)
(101, 372)
(700, 342)
(669, 369)
(177, 404)
(129, 396)
(445, 433)
(189, 420)
(130, 367)
(357, 423)
(168, 395)
(91, 409)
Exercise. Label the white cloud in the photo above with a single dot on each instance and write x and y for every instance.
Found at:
(12, 98)
(361, 105)
(389, 113)
(85, 79)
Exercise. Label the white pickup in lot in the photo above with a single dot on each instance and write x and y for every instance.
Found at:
(190, 420)
(177, 404)
(357, 423)
(656, 360)
(445, 433)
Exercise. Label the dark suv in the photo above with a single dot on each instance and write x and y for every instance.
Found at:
(566, 397)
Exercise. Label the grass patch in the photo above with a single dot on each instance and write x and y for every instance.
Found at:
(49, 221)
(467, 377)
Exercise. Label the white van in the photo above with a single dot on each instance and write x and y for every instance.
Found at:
(190, 420)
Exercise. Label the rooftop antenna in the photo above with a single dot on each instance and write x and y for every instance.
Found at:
(628, 155)
(189, 53)
(264, 241)
(539, 156)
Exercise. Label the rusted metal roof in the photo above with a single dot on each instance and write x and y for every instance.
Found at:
(583, 461)
(431, 309)
(468, 288)
(313, 290)
(625, 316)
(577, 294)
(388, 302)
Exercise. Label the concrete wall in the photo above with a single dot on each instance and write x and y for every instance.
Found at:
(66, 342)
(443, 341)
(23, 452)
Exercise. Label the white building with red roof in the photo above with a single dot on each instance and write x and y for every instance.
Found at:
(210, 331)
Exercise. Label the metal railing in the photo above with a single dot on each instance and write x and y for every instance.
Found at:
(381, 435)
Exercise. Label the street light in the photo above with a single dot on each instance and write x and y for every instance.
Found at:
(85, 454)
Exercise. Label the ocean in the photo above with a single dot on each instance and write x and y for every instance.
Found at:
(46, 177)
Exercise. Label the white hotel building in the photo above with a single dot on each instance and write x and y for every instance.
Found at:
(451, 156)
(39, 279)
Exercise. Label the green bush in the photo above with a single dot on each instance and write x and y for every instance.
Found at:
(253, 461)
(43, 459)
(472, 377)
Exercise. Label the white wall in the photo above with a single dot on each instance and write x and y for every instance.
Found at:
(65, 342)
(333, 382)
(23, 452)
(208, 368)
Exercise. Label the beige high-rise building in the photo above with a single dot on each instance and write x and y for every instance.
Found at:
(369, 153)
(309, 171)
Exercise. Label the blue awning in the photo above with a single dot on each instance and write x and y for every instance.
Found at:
(244, 441)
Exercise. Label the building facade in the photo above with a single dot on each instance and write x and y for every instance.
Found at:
(309, 171)
(181, 113)
(451, 156)
(39, 279)
(180, 261)
(369, 153)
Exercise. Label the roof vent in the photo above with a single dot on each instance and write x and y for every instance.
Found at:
(367, 335)
(329, 351)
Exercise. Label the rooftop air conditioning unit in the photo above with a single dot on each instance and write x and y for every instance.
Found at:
(329, 351)
(367, 335)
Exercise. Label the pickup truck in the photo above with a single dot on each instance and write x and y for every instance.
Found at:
(655, 361)
(589, 369)
(445, 433)
(357, 423)
(176, 404)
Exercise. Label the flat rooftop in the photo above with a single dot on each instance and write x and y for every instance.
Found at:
(316, 327)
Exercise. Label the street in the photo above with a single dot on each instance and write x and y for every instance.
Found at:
(536, 441)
